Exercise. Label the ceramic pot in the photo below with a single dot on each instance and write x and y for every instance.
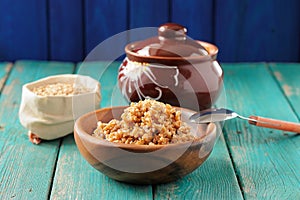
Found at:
(171, 68)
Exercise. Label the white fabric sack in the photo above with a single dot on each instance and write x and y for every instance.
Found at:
(51, 117)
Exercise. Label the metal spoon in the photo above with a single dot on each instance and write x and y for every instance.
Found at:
(222, 114)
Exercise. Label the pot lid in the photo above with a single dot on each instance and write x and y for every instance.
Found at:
(170, 42)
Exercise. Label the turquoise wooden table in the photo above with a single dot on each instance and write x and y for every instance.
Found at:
(247, 162)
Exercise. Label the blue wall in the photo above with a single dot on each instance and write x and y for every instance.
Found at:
(67, 30)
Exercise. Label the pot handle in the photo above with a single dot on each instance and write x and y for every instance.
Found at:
(172, 31)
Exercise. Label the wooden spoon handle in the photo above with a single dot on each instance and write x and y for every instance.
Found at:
(275, 124)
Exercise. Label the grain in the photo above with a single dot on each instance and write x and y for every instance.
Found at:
(147, 122)
(59, 89)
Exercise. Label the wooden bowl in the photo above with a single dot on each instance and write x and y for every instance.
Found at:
(142, 164)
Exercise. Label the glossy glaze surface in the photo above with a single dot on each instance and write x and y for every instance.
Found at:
(172, 68)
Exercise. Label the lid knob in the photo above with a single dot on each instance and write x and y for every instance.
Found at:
(172, 31)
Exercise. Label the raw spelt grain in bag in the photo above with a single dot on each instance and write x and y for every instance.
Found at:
(50, 105)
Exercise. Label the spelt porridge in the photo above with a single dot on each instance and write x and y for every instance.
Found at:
(59, 89)
(147, 122)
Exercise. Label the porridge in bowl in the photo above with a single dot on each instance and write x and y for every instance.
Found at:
(147, 122)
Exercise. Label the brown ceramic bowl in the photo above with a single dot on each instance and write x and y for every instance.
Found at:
(142, 164)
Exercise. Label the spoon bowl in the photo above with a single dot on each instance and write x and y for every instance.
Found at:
(214, 115)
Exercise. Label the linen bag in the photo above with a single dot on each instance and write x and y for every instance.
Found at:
(51, 117)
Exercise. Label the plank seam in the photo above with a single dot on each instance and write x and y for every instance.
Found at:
(170, 10)
(272, 73)
(84, 29)
(233, 164)
(54, 169)
(153, 192)
(48, 32)
(10, 66)
(128, 16)
(128, 21)
(214, 19)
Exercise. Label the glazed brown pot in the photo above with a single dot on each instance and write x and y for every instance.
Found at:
(143, 164)
(172, 68)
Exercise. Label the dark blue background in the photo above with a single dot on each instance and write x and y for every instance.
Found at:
(67, 30)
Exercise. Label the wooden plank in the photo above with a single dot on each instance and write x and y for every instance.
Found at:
(4, 71)
(288, 76)
(23, 30)
(257, 30)
(148, 13)
(215, 179)
(104, 19)
(66, 30)
(145, 17)
(107, 74)
(26, 169)
(196, 16)
(83, 181)
(266, 160)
